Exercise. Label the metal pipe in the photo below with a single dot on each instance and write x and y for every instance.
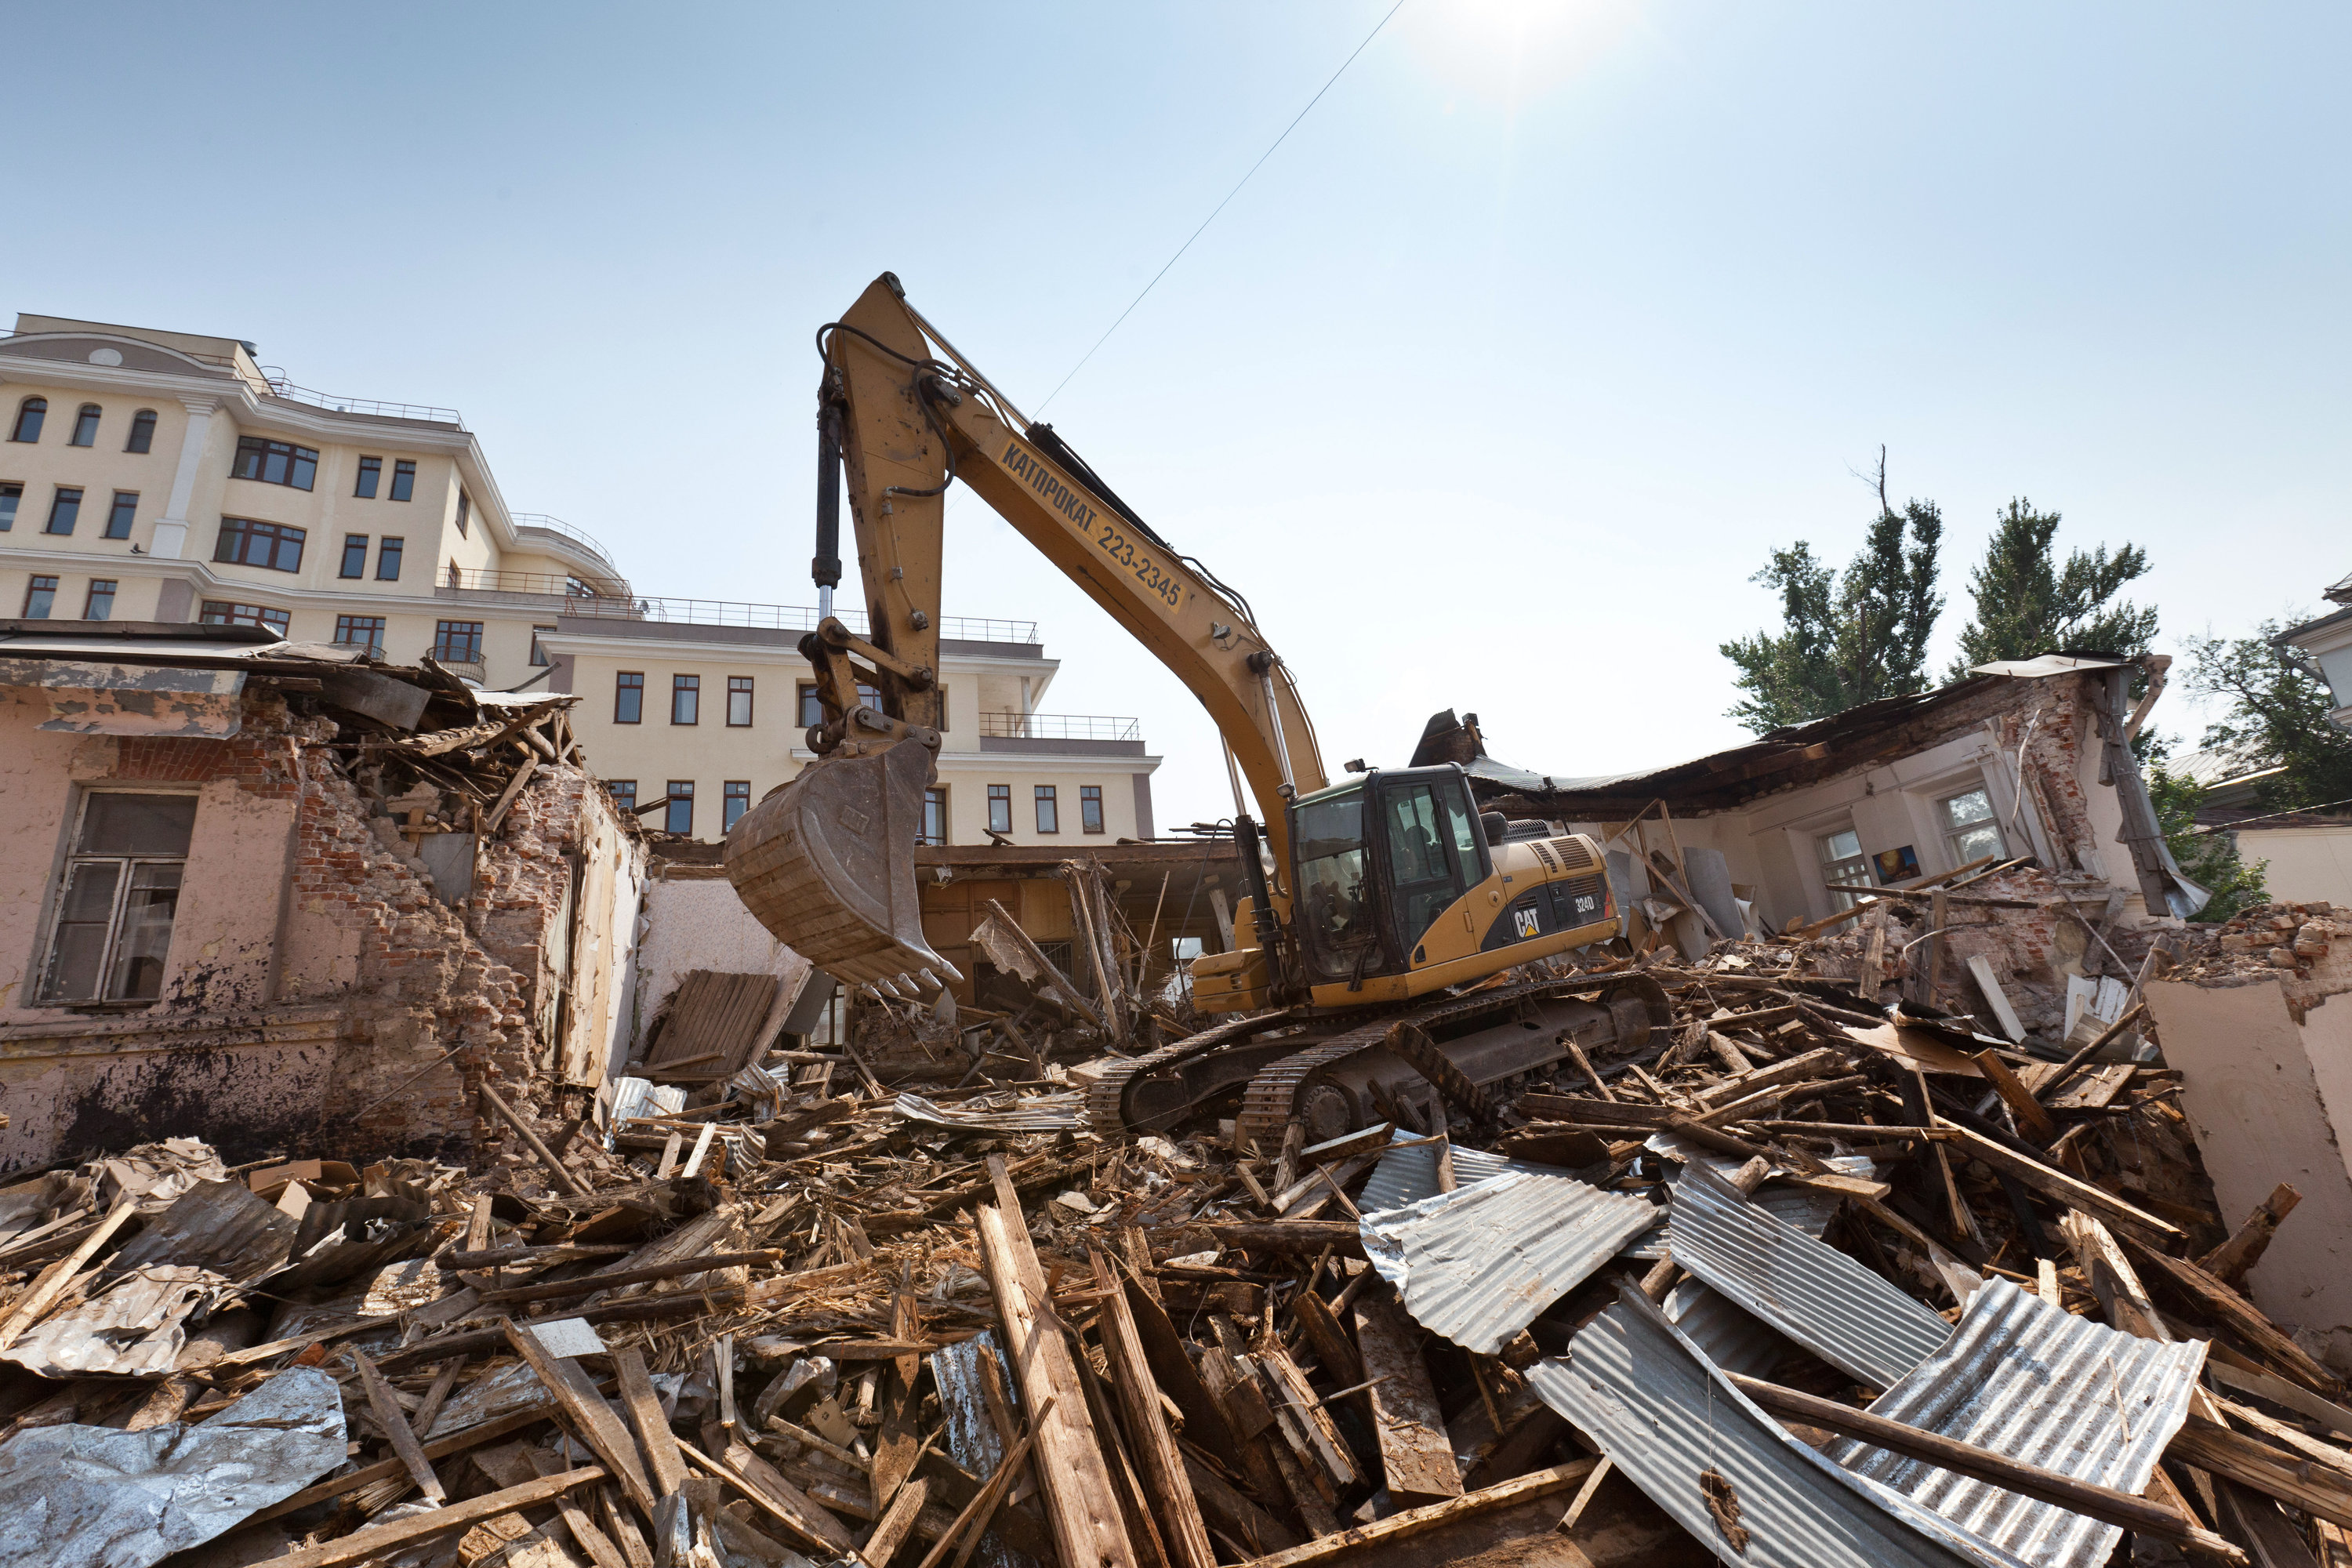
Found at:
(1232, 773)
(1273, 719)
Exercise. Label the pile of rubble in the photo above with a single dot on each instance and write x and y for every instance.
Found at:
(1821, 1273)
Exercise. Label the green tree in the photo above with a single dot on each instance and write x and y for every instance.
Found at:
(1845, 638)
(2209, 859)
(2277, 709)
(2027, 604)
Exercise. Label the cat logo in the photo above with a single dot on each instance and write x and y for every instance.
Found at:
(1525, 924)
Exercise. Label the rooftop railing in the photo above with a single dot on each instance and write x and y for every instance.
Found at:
(614, 591)
(783, 617)
(1059, 727)
(279, 386)
(579, 536)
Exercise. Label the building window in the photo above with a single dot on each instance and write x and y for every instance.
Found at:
(85, 431)
(628, 697)
(276, 545)
(387, 559)
(119, 519)
(624, 794)
(539, 658)
(120, 889)
(275, 462)
(40, 599)
(360, 631)
(142, 432)
(1972, 828)
(12, 496)
(464, 510)
(1049, 811)
(935, 816)
(1090, 808)
(100, 605)
(65, 510)
(999, 809)
(738, 794)
(404, 480)
(457, 642)
(680, 816)
(354, 555)
(1843, 861)
(220, 613)
(813, 710)
(738, 701)
(371, 471)
(29, 415)
(685, 699)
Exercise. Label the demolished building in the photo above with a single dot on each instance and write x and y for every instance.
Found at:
(281, 893)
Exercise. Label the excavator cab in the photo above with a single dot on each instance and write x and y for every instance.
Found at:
(1378, 862)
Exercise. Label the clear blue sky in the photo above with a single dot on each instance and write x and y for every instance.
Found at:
(1491, 390)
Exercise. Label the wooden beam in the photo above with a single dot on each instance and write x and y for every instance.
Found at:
(1305, 1236)
(2228, 1262)
(395, 1422)
(588, 1414)
(1417, 1458)
(1421, 1520)
(384, 1469)
(2104, 1503)
(2072, 1191)
(378, 1539)
(2241, 1317)
(2032, 1119)
(1080, 1504)
(664, 1463)
(555, 1167)
(1161, 1462)
(2290, 1478)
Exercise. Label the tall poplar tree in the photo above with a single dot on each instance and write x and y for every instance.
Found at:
(2026, 603)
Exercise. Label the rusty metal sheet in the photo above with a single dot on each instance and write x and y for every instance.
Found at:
(1480, 1264)
(2028, 1380)
(1809, 1291)
(1646, 1395)
(219, 1226)
(73, 1494)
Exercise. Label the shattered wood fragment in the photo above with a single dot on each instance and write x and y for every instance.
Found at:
(1421, 1520)
(2228, 1262)
(377, 1538)
(589, 1414)
(1416, 1459)
(395, 1422)
(1156, 1454)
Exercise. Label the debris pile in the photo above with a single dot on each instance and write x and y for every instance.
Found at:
(1817, 1272)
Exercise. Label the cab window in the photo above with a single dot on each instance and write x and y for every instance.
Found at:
(1434, 853)
(1342, 940)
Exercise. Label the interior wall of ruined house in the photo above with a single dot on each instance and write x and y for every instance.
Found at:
(694, 921)
(2266, 1084)
(313, 978)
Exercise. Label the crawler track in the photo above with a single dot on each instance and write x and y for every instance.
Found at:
(1106, 1103)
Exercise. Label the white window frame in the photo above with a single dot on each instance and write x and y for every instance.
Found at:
(1953, 834)
(1859, 860)
(63, 879)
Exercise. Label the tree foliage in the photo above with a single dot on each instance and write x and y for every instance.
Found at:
(1844, 638)
(2027, 604)
(2276, 709)
(2209, 859)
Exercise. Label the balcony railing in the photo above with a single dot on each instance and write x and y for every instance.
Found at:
(782, 618)
(1059, 727)
(567, 585)
(579, 536)
(281, 387)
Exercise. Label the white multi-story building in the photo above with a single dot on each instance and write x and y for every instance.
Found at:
(169, 476)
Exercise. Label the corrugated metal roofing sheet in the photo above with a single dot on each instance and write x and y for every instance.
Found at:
(1643, 1392)
(2028, 1380)
(1408, 1176)
(1480, 1264)
(1812, 1292)
(1802, 1208)
(1725, 1332)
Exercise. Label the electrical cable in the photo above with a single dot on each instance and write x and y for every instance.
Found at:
(1221, 205)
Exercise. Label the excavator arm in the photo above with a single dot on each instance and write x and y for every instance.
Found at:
(827, 862)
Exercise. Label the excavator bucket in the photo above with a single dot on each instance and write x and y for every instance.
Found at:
(827, 864)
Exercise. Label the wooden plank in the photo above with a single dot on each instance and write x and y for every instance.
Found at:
(2032, 1119)
(589, 1415)
(1168, 1488)
(1334, 1350)
(1421, 1520)
(1080, 1504)
(664, 1463)
(395, 1422)
(2106, 1503)
(57, 1276)
(1417, 1458)
(1302, 1419)
(2096, 1089)
(377, 1538)
(898, 1521)
(384, 1469)
(2274, 1472)
(1172, 1369)
(2241, 1317)
(777, 1498)
(1234, 1513)
(598, 1545)
(1980, 967)
(1308, 1237)
(1243, 1409)
(2072, 1191)
(982, 1509)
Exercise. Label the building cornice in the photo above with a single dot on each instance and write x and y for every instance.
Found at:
(200, 573)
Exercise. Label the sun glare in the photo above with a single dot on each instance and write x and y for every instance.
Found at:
(1509, 53)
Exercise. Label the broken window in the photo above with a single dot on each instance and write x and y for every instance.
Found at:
(1843, 862)
(1972, 828)
(115, 904)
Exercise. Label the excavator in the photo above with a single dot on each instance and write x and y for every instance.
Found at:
(1382, 911)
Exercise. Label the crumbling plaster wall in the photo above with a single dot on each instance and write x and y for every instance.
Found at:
(313, 976)
(2266, 1084)
(695, 921)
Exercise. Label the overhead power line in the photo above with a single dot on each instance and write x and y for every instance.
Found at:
(1205, 222)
